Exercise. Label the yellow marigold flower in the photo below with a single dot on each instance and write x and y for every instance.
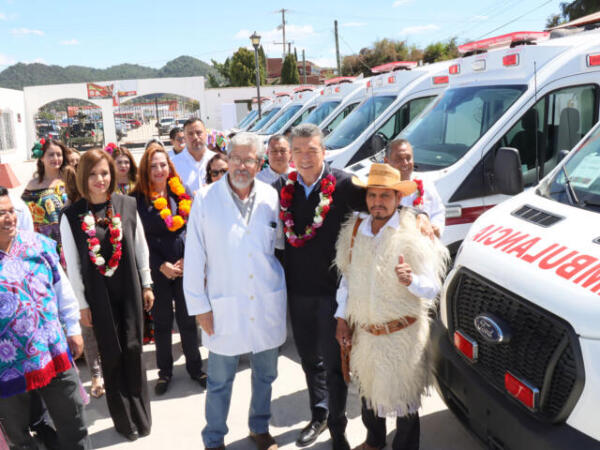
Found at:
(160, 203)
(185, 206)
(176, 186)
(165, 213)
(178, 222)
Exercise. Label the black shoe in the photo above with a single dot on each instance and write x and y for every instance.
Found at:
(131, 436)
(200, 378)
(161, 386)
(311, 432)
(46, 434)
(339, 442)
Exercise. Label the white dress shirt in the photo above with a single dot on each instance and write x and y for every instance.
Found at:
(269, 176)
(230, 269)
(142, 258)
(192, 172)
(422, 285)
(432, 204)
(308, 189)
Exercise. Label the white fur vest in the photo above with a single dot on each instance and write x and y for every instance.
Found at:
(391, 370)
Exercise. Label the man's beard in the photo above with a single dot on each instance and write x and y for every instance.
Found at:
(238, 184)
(381, 215)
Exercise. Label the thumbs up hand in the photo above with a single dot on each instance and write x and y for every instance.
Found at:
(403, 272)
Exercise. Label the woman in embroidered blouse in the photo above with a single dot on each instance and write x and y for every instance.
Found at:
(107, 263)
(45, 193)
(126, 170)
(163, 206)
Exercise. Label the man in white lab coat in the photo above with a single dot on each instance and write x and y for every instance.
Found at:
(399, 155)
(241, 307)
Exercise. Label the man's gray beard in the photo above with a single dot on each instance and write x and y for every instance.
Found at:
(240, 184)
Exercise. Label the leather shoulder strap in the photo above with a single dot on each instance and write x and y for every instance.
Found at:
(354, 231)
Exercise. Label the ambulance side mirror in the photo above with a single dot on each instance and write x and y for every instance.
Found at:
(508, 178)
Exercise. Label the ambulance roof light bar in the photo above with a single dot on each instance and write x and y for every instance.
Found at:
(396, 65)
(303, 89)
(505, 40)
(282, 94)
(339, 80)
(262, 99)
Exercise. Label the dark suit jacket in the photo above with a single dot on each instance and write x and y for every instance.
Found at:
(309, 270)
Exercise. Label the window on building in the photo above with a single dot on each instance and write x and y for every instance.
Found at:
(7, 131)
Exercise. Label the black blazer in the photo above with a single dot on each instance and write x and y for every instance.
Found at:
(164, 245)
(309, 270)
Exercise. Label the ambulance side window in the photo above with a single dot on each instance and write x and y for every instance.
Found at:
(303, 116)
(556, 122)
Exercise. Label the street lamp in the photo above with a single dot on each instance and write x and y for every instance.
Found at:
(255, 39)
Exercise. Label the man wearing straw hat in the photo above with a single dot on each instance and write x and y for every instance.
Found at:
(391, 274)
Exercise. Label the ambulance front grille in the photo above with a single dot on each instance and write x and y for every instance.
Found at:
(543, 348)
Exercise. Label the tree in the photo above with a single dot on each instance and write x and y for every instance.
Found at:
(440, 51)
(573, 10)
(241, 69)
(383, 51)
(289, 70)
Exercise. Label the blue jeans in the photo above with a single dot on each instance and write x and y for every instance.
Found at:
(221, 372)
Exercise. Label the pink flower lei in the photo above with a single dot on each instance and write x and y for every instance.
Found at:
(419, 200)
(286, 198)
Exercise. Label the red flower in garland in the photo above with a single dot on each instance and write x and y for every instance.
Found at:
(419, 200)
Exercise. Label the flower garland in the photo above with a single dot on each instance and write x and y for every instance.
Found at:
(88, 225)
(184, 205)
(287, 195)
(418, 201)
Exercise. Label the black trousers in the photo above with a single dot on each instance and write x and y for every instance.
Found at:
(408, 430)
(166, 292)
(65, 406)
(313, 327)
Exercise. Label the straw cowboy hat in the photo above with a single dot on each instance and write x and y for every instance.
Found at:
(384, 176)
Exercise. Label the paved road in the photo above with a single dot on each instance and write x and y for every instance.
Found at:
(178, 416)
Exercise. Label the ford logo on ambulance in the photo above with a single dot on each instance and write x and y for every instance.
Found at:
(491, 328)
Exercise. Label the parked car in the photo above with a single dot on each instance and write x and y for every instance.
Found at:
(164, 125)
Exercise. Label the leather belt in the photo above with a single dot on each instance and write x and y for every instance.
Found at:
(390, 327)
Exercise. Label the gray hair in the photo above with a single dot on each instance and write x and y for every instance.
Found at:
(397, 142)
(246, 138)
(276, 138)
(306, 130)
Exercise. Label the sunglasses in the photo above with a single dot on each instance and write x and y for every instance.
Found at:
(216, 173)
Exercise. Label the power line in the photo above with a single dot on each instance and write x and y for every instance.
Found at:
(514, 20)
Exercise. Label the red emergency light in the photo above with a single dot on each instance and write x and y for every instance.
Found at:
(322, 91)
(465, 345)
(503, 41)
(454, 69)
(338, 80)
(396, 65)
(510, 60)
(442, 79)
(521, 390)
(593, 60)
(391, 79)
(337, 89)
(369, 84)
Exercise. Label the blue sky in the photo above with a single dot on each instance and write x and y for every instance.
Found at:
(109, 32)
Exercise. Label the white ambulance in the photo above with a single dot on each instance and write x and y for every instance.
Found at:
(516, 354)
(302, 103)
(395, 96)
(526, 90)
(336, 100)
(271, 110)
(252, 116)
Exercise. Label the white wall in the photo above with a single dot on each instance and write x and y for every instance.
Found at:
(13, 101)
(216, 97)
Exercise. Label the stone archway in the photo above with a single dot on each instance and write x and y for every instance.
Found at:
(37, 96)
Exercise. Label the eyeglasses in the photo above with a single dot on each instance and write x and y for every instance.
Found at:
(216, 173)
(180, 139)
(248, 162)
(4, 212)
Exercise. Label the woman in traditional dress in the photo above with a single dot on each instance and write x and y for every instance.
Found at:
(45, 193)
(164, 206)
(107, 263)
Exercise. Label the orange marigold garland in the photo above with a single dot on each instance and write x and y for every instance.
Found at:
(184, 205)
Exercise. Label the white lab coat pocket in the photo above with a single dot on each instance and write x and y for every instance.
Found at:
(274, 307)
(269, 239)
(225, 315)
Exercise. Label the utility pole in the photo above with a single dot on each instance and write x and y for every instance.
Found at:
(337, 48)
(304, 66)
(282, 11)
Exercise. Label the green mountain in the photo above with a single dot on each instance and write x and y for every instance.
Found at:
(19, 75)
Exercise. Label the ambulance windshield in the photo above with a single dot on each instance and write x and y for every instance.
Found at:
(265, 118)
(246, 120)
(321, 112)
(358, 121)
(577, 182)
(282, 120)
(452, 124)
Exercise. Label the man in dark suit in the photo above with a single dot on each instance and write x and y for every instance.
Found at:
(318, 191)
